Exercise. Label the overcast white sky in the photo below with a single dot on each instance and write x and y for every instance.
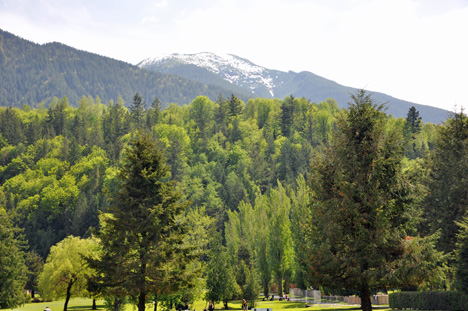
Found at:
(416, 50)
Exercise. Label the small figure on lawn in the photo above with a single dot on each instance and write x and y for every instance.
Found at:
(244, 305)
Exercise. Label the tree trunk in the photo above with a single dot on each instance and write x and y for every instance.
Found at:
(67, 299)
(266, 289)
(94, 304)
(280, 287)
(117, 302)
(366, 304)
(142, 284)
(141, 301)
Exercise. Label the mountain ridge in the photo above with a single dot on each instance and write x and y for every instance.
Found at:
(214, 69)
(33, 73)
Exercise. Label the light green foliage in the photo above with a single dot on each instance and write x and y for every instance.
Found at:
(262, 226)
(12, 264)
(65, 272)
(176, 145)
(220, 154)
(53, 198)
(280, 245)
(220, 281)
(300, 218)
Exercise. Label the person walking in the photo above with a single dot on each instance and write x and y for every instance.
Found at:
(244, 305)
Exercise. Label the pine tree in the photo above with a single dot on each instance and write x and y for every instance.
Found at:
(235, 106)
(153, 115)
(12, 264)
(142, 237)
(447, 201)
(461, 256)
(287, 115)
(359, 203)
(413, 127)
(137, 111)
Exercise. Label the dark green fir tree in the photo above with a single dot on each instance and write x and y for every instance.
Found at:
(12, 264)
(359, 203)
(141, 237)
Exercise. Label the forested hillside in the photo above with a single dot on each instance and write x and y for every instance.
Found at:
(33, 73)
(253, 175)
(56, 162)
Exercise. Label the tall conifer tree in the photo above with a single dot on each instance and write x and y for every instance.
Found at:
(12, 264)
(447, 202)
(358, 204)
(142, 237)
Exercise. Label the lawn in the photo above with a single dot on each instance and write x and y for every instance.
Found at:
(84, 304)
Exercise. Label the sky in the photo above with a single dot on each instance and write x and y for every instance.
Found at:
(415, 50)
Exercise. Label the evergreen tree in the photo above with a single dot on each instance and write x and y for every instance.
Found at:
(35, 264)
(235, 106)
(359, 203)
(221, 114)
(447, 201)
(137, 111)
(114, 126)
(287, 115)
(142, 238)
(12, 264)
(11, 127)
(413, 127)
(33, 130)
(153, 115)
(461, 257)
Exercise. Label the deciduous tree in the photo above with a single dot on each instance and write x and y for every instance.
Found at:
(65, 271)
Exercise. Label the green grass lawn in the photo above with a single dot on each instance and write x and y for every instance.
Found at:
(84, 304)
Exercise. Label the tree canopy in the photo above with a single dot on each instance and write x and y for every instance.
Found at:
(65, 272)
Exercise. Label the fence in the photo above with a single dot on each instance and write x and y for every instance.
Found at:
(315, 296)
(307, 296)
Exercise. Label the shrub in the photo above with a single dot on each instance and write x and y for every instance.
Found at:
(429, 300)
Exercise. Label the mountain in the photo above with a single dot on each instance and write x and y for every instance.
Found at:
(31, 73)
(245, 76)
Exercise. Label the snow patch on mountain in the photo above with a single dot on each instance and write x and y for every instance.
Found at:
(232, 68)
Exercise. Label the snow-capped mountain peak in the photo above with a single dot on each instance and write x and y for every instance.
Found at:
(231, 68)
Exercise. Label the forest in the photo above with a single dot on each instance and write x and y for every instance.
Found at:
(263, 188)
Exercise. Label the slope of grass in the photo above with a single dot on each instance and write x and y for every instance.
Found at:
(84, 304)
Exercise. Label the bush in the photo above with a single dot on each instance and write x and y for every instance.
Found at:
(430, 300)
